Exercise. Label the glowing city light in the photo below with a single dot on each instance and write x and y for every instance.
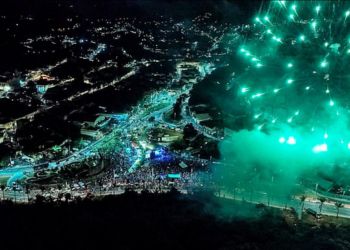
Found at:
(7, 88)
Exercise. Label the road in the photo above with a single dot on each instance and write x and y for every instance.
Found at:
(138, 119)
(20, 196)
(18, 172)
(255, 197)
(282, 202)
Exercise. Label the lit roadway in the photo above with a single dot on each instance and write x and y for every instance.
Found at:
(282, 202)
(189, 119)
(137, 120)
(18, 172)
(76, 96)
(255, 198)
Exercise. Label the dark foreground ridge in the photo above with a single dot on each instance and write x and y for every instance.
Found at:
(160, 221)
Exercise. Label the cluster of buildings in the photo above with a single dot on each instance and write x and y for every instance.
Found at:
(62, 66)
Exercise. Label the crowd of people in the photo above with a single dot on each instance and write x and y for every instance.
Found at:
(155, 175)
